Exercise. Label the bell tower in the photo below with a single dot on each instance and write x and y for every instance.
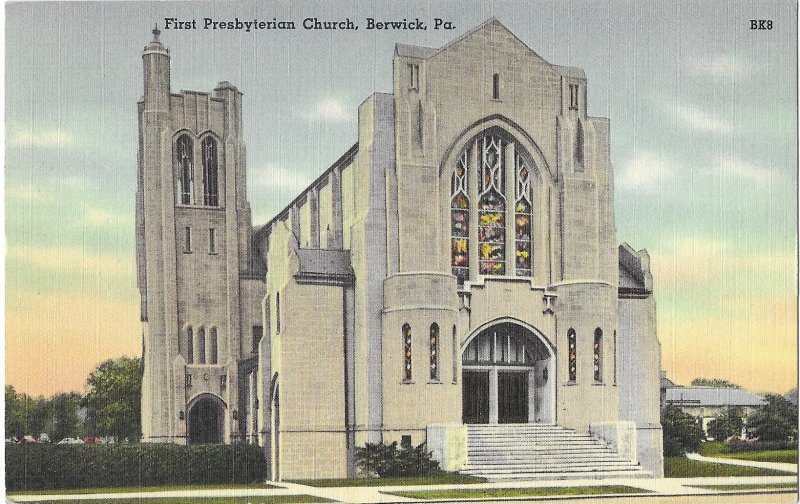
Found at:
(199, 291)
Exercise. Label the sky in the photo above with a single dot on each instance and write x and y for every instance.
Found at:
(703, 115)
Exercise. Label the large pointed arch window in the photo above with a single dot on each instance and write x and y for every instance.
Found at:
(492, 200)
(491, 207)
(459, 220)
(184, 156)
(210, 162)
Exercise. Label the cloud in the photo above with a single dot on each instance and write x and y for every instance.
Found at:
(722, 67)
(740, 168)
(27, 193)
(97, 217)
(274, 176)
(645, 172)
(43, 138)
(65, 259)
(330, 110)
(698, 119)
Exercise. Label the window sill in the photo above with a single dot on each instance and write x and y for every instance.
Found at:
(187, 252)
(570, 384)
(213, 253)
(435, 382)
(598, 384)
(407, 382)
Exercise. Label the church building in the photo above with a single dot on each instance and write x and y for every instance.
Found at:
(454, 278)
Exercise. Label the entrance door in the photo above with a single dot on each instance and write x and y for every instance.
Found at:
(475, 397)
(512, 397)
(205, 422)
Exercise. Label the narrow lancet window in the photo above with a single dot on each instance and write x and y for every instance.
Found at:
(212, 353)
(598, 355)
(189, 345)
(407, 352)
(491, 207)
(496, 86)
(459, 220)
(210, 191)
(184, 155)
(572, 367)
(522, 218)
(201, 346)
(434, 347)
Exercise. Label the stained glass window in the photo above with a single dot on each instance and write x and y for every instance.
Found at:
(210, 191)
(572, 362)
(407, 352)
(522, 217)
(184, 154)
(459, 219)
(434, 346)
(598, 355)
(491, 207)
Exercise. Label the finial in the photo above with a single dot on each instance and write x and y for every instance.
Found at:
(156, 33)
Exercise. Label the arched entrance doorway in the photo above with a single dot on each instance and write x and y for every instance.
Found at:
(507, 376)
(206, 420)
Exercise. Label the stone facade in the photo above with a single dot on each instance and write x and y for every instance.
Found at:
(459, 264)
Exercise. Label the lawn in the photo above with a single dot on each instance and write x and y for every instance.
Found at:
(784, 456)
(136, 489)
(763, 486)
(444, 478)
(681, 467)
(275, 499)
(500, 493)
(717, 449)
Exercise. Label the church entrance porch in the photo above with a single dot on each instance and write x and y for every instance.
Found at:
(505, 376)
(206, 420)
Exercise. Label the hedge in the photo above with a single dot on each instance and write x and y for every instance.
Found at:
(52, 467)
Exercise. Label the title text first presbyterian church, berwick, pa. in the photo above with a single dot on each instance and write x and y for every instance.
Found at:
(453, 278)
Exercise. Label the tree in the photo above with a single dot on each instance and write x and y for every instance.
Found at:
(714, 382)
(682, 432)
(114, 398)
(726, 424)
(64, 420)
(24, 414)
(776, 420)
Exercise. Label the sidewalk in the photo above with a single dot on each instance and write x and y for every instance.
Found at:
(368, 495)
(789, 468)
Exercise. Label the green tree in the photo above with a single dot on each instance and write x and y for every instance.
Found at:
(24, 414)
(714, 382)
(114, 398)
(64, 420)
(776, 420)
(682, 432)
(726, 424)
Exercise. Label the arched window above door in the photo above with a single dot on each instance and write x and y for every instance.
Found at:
(491, 208)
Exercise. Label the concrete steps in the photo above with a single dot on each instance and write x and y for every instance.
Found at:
(516, 452)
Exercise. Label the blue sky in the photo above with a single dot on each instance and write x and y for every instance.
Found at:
(704, 128)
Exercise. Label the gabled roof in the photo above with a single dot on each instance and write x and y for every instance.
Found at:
(712, 396)
(410, 51)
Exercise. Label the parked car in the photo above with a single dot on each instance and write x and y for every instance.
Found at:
(28, 440)
(44, 438)
(92, 440)
(71, 440)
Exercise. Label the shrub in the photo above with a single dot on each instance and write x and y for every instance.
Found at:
(51, 467)
(682, 432)
(739, 446)
(775, 421)
(386, 460)
(727, 424)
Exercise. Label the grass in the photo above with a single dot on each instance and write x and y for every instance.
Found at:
(681, 467)
(444, 478)
(717, 449)
(784, 456)
(140, 489)
(272, 499)
(763, 486)
(499, 493)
